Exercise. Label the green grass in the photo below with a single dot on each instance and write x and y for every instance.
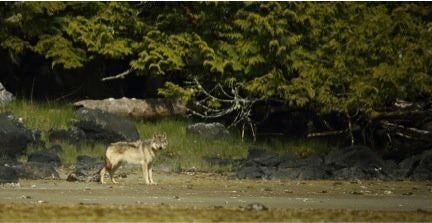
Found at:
(184, 152)
(41, 116)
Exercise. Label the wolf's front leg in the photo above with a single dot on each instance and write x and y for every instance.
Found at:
(145, 172)
(151, 175)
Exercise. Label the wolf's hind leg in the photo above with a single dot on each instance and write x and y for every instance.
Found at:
(102, 175)
(111, 172)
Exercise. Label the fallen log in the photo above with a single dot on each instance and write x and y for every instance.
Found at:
(137, 108)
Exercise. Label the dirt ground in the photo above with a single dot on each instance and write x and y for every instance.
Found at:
(209, 197)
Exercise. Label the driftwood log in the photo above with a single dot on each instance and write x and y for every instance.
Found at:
(137, 108)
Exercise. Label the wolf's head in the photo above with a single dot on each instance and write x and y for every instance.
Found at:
(159, 142)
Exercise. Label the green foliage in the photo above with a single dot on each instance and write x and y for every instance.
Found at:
(174, 91)
(343, 57)
(161, 52)
(60, 51)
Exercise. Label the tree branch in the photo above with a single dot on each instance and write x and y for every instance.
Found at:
(328, 133)
(231, 102)
(118, 76)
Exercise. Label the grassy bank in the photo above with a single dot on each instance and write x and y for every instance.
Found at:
(183, 153)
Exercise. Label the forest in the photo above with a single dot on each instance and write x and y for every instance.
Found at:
(339, 65)
(277, 111)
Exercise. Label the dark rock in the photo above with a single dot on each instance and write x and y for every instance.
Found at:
(87, 163)
(103, 126)
(285, 174)
(8, 175)
(251, 170)
(213, 130)
(72, 136)
(293, 161)
(269, 161)
(391, 168)
(349, 173)
(289, 161)
(360, 173)
(313, 173)
(357, 162)
(14, 137)
(255, 152)
(314, 160)
(82, 177)
(56, 149)
(72, 177)
(263, 157)
(86, 169)
(5, 96)
(408, 165)
(353, 156)
(35, 170)
(301, 173)
(424, 168)
(45, 157)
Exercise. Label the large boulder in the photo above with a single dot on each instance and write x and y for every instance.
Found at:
(8, 174)
(36, 170)
(359, 156)
(213, 130)
(102, 126)
(46, 157)
(263, 157)
(5, 96)
(407, 166)
(14, 137)
(423, 170)
(356, 162)
(293, 161)
(300, 173)
(252, 170)
(72, 136)
(293, 167)
(264, 164)
(86, 169)
(137, 108)
(259, 164)
(349, 163)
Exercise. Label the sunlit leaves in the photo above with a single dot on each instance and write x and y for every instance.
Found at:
(61, 52)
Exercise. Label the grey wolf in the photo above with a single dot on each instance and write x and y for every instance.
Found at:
(142, 152)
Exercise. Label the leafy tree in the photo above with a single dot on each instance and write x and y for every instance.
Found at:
(351, 58)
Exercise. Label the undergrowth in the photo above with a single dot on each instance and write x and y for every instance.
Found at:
(184, 152)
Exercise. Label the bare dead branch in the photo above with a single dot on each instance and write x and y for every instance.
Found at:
(397, 114)
(117, 76)
(409, 129)
(231, 102)
(328, 133)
